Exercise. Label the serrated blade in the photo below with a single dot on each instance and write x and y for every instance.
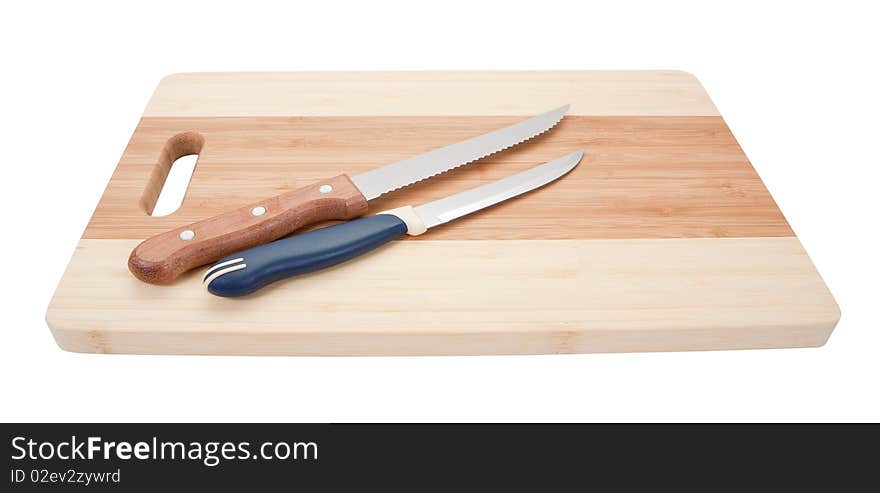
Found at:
(463, 203)
(392, 176)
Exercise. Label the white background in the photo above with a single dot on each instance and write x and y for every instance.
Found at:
(796, 82)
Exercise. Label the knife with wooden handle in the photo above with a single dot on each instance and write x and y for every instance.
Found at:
(160, 259)
(245, 272)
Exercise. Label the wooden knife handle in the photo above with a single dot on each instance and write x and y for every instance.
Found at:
(160, 259)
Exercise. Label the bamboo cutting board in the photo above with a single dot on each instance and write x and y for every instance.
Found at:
(663, 239)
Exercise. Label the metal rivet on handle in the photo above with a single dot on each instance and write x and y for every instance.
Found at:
(187, 235)
(258, 210)
(325, 189)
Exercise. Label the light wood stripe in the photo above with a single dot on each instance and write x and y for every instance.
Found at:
(641, 177)
(562, 296)
(666, 93)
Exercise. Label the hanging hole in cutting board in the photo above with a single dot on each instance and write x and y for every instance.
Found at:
(175, 185)
(170, 178)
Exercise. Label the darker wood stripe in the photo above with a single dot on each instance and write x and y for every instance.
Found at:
(642, 177)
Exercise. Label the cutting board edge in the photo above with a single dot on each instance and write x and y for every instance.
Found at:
(460, 344)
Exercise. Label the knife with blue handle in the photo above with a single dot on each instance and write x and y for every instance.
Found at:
(247, 271)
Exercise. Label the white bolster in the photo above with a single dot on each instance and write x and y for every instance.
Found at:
(414, 224)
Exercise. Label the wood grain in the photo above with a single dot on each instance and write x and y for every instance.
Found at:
(605, 92)
(641, 177)
(466, 297)
(663, 239)
(161, 258)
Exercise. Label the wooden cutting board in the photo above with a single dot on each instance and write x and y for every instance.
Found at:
(663, 239)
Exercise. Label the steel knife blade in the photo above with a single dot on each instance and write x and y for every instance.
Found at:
(392, 176)
(162, 258)
(245, 272)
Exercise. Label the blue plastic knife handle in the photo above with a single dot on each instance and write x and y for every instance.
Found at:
(247, 271)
